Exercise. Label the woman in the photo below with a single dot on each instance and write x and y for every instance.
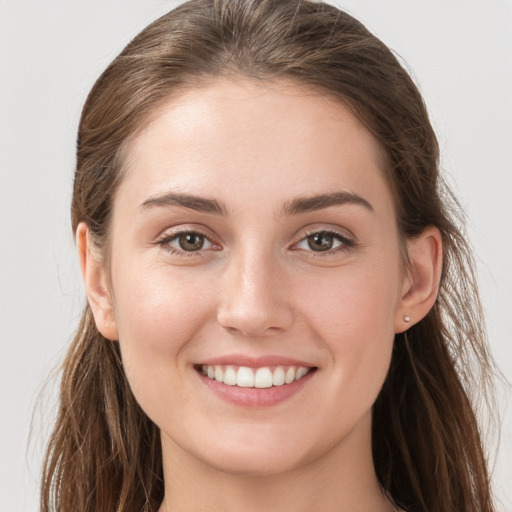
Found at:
(281, 311)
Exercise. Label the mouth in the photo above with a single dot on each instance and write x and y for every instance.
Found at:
(253, 383)
(260, 378)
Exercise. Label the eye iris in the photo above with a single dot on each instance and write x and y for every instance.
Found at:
(320, 241)
(191, 241)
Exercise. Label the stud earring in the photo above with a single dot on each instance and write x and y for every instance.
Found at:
(407, 318)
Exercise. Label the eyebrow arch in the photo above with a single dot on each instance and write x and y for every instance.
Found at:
(318, 202)
(200, 204)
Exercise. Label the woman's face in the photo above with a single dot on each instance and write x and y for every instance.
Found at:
(254, 240)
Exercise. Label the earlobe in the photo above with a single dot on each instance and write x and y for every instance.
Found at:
(95, 281)
(421, 286)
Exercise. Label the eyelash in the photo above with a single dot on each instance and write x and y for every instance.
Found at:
(168, 238)
(347, 244)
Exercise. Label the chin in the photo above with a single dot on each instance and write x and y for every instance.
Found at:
(259, 453)
(263, 463)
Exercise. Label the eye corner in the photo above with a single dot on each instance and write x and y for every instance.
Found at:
(323, 242)
(187, 242)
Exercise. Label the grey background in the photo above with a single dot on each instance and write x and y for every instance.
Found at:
(460, 53)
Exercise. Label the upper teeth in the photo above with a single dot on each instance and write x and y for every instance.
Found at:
(245, 377)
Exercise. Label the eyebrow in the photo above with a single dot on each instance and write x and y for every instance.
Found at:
(321, 201)
(200, 204)
(294, 207)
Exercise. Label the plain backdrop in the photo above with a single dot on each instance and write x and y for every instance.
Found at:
(51, 51)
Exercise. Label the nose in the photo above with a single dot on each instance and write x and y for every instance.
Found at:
(254, 299)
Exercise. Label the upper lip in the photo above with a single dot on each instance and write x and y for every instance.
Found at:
(255, 362)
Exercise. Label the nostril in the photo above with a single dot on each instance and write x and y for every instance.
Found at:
(253, 332)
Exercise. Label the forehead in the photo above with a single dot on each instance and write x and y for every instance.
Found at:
(237, 140)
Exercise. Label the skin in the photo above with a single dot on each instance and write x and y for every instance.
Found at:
(257, 288)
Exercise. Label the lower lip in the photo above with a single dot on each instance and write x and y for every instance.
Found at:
(256, 397)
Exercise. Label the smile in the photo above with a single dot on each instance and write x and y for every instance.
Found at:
(255, 382)
(246, 377)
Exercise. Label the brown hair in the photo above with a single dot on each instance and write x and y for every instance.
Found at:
(105, 453)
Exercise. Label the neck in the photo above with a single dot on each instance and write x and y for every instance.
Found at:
(341, 480)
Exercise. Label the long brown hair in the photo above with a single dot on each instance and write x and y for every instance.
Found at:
(104, 454)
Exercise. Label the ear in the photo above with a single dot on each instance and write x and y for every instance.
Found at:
(421, 284)
(95, 281)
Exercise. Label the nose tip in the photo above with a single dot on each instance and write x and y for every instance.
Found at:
(251, 317)
(252, 302)
(248, 327)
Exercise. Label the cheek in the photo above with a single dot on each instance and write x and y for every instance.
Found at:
(354, 318)
(360, 299)
(158, 318)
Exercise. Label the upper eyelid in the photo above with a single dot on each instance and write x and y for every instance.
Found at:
(329, 231)
(165, 240)
(341, 232)
(345, 242)
(172, 233)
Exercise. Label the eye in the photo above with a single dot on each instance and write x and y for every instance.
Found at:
(186, 241)
(191, 241)
(324, 241)
(320, 241)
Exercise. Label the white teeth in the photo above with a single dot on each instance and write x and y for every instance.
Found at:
(278, 377)
(263, 378)
(230, 376)
(290, 375)
(246, 377)
(300, 373)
